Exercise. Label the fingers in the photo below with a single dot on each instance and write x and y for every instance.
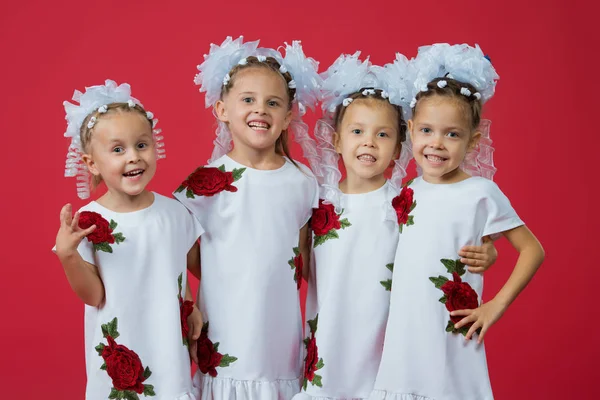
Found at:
(473, 329)
(65, 215)
(475, 252)
(482, 334)
(477, 270)
(194, 350)
(75, 221)
(194, 331)
(87, 231)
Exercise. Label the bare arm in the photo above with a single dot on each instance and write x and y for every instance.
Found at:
(82, 276)
(193, 260)
(304, 247)
(194, 320)
(531, 255)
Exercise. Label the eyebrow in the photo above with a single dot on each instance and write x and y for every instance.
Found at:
(253, 93)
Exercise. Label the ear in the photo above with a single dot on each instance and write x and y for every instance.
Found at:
(90, 164)
(409, 128)
(474, 140)
(287, 120)
(337, 142)
(221, 111)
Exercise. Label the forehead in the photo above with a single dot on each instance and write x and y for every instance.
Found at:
(442, 109)
(371, 111)
(259, 79)
(123, 125)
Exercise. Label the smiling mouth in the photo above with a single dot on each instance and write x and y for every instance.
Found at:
(134, 173)
(435, 159)
(258, 126)
(367, 158)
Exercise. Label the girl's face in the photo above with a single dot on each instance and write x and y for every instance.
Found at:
(441, 135)
(368, 140)
(256, 109)
(122, 152)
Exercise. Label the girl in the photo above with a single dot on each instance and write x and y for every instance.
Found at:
(435, 301)
(355, 228)
(254, 202)
(125, 254)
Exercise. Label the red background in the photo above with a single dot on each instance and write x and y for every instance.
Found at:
(545, 347)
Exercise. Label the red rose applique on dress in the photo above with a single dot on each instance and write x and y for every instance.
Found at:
(102, 237)
(458, 295)
(404, 204)
(325, 223)
(123, 366)
(312, 362)
(208, 181)
(185, 309)
(387, 284)
(209, 357)
(297, 264)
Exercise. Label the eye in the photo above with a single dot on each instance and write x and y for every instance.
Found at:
(356, 131)
(142, 145)
(272, 103)
(118, 150)
(382, 134)
(247, 99)
(452, 134)
(425, 130)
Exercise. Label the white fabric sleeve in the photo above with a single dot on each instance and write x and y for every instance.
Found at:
(501, 216)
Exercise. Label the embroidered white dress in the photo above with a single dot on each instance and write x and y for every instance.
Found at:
(421, 360)
(141, 309)
(248, 293)
(349, 291)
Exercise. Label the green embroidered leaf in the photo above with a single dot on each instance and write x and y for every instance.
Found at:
(104, 328)
(112, 328)
(226, 360)
(104, 246)
(449, 264)
(400, 226)
(216, 346)
(387, 285)
(305, 383)
(439, 281)
(113, 225)
(291, 263)
(222, 168)
(319, 239)
(237, 173)
(320, 364)
(119, 237)
(450, 326)
(149, 390)
(410, 221)
(185, 341)
(205, 327)
(313, 324)
(345, 223)
(189, 194)
(413, 205)
(332, 234)
(443, 299)
(460, 268)
(180, 283)
(147, 373)
(390, 266)
(100, 347)
(317, 381)
(103, 366)
(306, 340)
(463, 330)
(408, 183)
(296, 251)
(129, 395)
(179, 189)
(113, 393)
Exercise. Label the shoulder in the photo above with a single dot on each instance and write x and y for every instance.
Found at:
(301, 170)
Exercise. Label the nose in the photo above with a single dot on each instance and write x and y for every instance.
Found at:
(368, 140)
(259, 108)
(436, 141)
(134, 156)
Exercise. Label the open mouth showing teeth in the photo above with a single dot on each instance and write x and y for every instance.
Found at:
(433, 158)
(133, 173)
(259, 126)
(367, 158)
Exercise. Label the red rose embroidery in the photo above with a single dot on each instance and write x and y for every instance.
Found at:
(459, 296)
(102, 233)
(208, 181)
(185, 309)
(209, 357)
(103, 236)
(124, 367)
(297, 264)
(312, 362)
(404, 204)
(325, 223)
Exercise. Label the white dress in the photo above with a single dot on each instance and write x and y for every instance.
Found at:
(421, 360)
(141, 310)
(248, 293)
(349, 291)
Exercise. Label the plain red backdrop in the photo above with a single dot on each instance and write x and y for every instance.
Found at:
(545, 347)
